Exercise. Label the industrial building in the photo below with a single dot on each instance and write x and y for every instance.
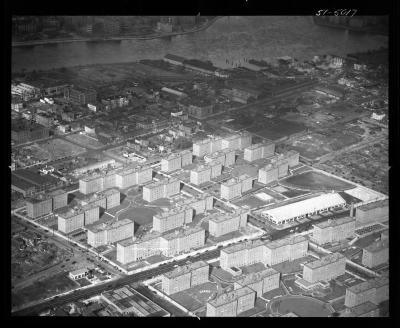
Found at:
(182, 240)
(29, 182)
(200, 175)
(261, 282)
(107, 233)
(373, 212)
(219, 225)
(333, 230)
(268, 173)
(242, 254)
(376, 254)
(161, 189)
(374, 291)
(325, 268)
(185, 277)
(172, 219)
(290, 212)
(127, 301)
(232, 303)
(23, 131)
(258, 151)
(136, 249)
(286, 249)
(71, 220)
(231, 142)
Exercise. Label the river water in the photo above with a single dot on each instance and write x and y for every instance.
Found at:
(232, 38)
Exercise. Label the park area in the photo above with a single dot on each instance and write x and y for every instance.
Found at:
(316, 181)
(85, 141)
(58, 148)
(44, 288)
(301, 306)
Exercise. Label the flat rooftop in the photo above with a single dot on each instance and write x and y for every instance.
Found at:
(334, 223)
(201, 168)
(363, 308)
(377, 246)
(231, 182)
(148, 236)
(231, 296)
(70, 212)
(243, 246)
(367, 285)
(256, 276)
(181, 270)
(291, 240)
(323, 261)
(109, 225)
(160, 183)
(370, 206)
(57, 192)
(181, 233)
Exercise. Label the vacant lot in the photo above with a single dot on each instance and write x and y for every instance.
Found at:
(316, 181)
(275, 129)
(85, 141)
(58, 148)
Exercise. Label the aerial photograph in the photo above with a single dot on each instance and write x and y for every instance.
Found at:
(200, 166)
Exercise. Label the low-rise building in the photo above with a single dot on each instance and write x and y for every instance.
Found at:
(324, 269)
(78, 274)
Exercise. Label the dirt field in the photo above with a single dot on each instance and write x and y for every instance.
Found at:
(85, 141)
(315, 181)
(58, 148)
(197, 296)
(275, 129)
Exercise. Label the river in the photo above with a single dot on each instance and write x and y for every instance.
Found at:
(232, 38)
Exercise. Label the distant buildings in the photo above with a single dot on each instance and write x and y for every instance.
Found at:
(376, 254)
(261, 282)
(107, 233)
(374, 291)
(300, 209)
(161, 189)
(80, 96)
(324, 269)
(25, 91)
(211, 145)
(185, 277)
(258, 151)
(333, 230)
(232, 303)
(219, 225)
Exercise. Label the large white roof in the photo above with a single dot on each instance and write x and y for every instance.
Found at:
(304, 207)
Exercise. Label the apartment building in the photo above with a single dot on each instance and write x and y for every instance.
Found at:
(182, 240)
(376, 254)
(325, 268)
(172, 219)
(268, 174)
(333, 230)
(232, 303)
(374, 291)
(71, 220)
(261, 282)
(200, 175)
(286, 249)
(219, 225)
(161, 189)
(258, 151)
(110, 232)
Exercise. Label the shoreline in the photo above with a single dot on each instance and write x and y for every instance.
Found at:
(114, 38)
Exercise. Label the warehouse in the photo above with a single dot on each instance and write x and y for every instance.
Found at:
(290, 212)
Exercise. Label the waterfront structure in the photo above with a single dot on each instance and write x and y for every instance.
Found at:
(185, 277)
(172, 219)
(161, 189)
(181, 241)
(136, 249)
(71, 220)
(371, 212)
(290, 212)
(106, 233)
(286, 249)
(219, 225)
(333, 230)
(232, 303)
(376, 254)
(268, 173)
(258, 151)
(374, 291)
(325, 268)
(200, 175)
(261, 282)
